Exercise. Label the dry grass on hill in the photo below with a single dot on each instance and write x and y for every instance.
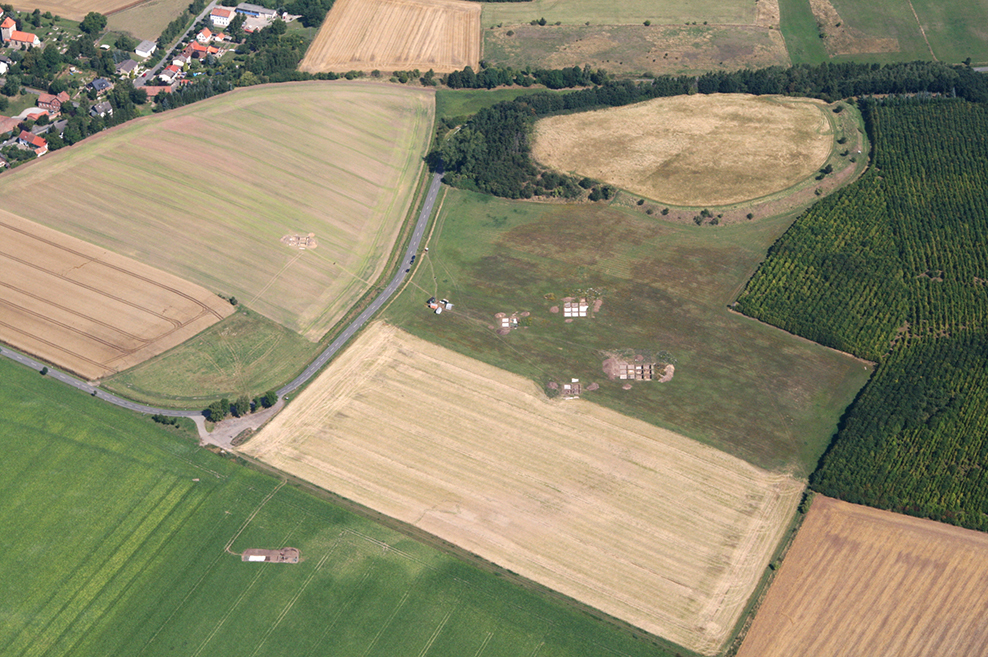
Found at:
(88, 310)
(642, 523)
(860, 581)
(391, 35)
(699, 150)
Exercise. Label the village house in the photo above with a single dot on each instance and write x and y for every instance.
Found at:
(100, 85)
(101, 109)
(169, 73)
(145, 49)
(34, 142)
(52, 102)
(127, 67)
(221, 16)
(205, 36)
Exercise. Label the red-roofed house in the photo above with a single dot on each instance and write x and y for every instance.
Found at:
(24, 39)
(7, 28)
(205, 36)
(52, 102)
(221, 16)
(169, 72)
(199, 51)
(34, 142)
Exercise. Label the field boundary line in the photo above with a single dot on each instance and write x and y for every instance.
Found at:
(435, 634)
(487, 639)
(291, 603)
(394, 612)
(252, 515)
(260, 571)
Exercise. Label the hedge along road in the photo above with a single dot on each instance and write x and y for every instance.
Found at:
(314, 366)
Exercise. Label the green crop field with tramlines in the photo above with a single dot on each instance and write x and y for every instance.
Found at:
(124, 538)
(894, 268)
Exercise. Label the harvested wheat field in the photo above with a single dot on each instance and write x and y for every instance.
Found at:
(210, 191)
(74, 10)
(88, 310)
(397, 35)
(644, 524)
(699, 150)
(861, 581)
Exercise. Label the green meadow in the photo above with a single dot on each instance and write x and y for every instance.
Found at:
(744, 387)
(123, 538)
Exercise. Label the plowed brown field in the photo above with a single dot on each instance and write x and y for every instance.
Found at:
(390, 35)
(88, 310)
(642, 523)
(860, 581)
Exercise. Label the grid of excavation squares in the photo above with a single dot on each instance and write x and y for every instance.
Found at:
(575, 308)
(87, 310)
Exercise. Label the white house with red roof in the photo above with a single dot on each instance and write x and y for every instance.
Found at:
(205, 36)
(34, 142)
(221, 16)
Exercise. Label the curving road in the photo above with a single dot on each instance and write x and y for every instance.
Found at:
(310, 371)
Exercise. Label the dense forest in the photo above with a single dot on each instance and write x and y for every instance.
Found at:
(491, 152)
(894, 268)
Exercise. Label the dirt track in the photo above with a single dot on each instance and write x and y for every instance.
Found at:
(644, 524)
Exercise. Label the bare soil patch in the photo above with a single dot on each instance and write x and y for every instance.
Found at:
(642, 523)
(692, 150)
(389, 35)
(88, 310)
(861, 581)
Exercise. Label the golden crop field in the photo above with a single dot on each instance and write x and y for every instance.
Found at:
(644, 524)
(861, 581)
(397, 35)
(88, 310)
(694, 150)
(216, 191)
(74, 10)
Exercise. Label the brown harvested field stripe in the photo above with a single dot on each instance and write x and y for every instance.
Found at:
(88, 310)
(389, 35)
(644, 524)
(862, 581)
(74, 10)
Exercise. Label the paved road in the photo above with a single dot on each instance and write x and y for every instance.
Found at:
(166, 60)
(310, 371)
(382, 298)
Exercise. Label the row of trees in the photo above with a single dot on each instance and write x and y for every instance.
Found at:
(893, 268)
(241, 406)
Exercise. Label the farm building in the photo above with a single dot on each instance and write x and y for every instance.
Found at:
(34, 142)
(256, 11)
(52, 102)
(220, 16)
(145, 49)
(284, 555)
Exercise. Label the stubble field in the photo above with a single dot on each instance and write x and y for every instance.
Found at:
(88, 310)
(389, 35)
(646, 525)
(207, 192)
(861, 581)
(74, 10)
(694, 150)
(122, 538)
(145, 20)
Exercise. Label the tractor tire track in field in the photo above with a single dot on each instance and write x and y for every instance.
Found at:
(310, 371)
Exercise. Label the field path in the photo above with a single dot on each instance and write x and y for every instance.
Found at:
(308, 373)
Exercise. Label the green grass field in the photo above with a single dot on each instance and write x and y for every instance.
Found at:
(146, 20)
(121, 538)
(245, 354)
(453, 103)
(741, 386)
(622, 12)
(954, 30)
(208, 191)
(799, 29)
